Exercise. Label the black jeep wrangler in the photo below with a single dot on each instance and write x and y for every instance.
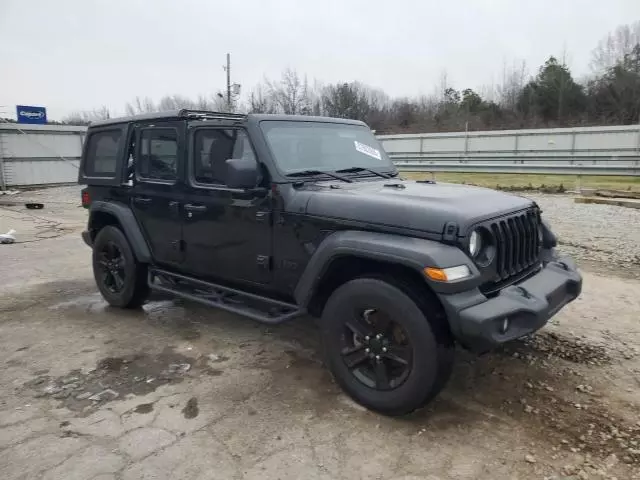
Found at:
(275, 217)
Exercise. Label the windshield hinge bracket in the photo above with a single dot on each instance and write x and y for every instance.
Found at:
(450, 232)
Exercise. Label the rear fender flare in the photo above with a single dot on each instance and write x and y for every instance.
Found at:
(128, 224)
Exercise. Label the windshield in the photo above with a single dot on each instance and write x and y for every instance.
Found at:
(299, 146)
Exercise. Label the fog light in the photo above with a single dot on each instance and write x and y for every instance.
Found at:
(506, 323)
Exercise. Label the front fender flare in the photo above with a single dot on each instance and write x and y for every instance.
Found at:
(129, 226)
(412, 252)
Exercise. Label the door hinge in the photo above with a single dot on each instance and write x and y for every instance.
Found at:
(175, 244)
(178, 245)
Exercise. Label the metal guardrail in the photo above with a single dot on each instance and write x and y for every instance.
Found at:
(561, 151)
(550, 165)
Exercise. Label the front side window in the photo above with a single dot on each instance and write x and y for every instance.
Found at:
(300, 146)
(158, 154)
(102, 153)
(213, 147)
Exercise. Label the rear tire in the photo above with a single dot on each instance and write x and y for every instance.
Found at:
(385, 346)
(121, 279)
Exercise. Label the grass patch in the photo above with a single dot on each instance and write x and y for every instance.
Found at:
(520, 182)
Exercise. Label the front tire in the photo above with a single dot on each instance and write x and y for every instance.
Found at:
(121, 279)
(384, 347)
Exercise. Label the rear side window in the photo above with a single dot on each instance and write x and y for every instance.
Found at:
(158, 154)
(102, 153)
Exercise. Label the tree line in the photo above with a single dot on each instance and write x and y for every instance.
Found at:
(610, 95)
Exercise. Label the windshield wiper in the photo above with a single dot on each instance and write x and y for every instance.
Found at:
(313, 173)
(362, 169)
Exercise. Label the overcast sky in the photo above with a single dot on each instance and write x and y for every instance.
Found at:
(80, 54)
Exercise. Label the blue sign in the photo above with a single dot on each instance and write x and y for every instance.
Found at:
(31, 114)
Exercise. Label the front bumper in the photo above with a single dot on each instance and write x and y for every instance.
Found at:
(477, 321)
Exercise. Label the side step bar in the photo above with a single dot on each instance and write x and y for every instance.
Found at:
(257, 307)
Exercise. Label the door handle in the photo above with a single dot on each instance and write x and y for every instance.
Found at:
(142, 200)
(262, 216)
(174, 206)
(195, 208)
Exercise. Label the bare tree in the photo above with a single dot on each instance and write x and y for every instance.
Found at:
(140, 105)
(444, 85)
(176, 102)
(291, 94)
(216, 103)
(378, 99)
(85, 117)
(346, 100)
(514, 78)
(613, 48)
(260, 101)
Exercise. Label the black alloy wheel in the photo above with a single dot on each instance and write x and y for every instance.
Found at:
(121, 279)
(386, 344)
(112, 264)
(376, 349)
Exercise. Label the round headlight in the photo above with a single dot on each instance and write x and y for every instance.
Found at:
(475, 243)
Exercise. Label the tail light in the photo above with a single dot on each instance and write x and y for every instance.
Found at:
(86, 199)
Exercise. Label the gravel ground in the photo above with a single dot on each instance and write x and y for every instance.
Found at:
(603, 235)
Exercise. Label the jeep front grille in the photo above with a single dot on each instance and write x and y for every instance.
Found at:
(517, 249)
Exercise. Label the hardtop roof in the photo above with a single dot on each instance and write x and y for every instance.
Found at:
(184, 114)
(168, 115)
(302, 118)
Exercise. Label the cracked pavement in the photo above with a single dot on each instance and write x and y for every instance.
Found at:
(255, 402)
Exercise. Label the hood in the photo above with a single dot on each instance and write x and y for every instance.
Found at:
(409, 204)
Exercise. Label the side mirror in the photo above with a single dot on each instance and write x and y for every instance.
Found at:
(241, 173)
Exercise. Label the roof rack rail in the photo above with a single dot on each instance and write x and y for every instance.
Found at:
(206, 114)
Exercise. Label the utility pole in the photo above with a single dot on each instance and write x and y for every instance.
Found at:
(229, 82)
(232, 88)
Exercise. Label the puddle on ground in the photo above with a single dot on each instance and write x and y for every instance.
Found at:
(300, 359)
(159, 310)
(144, 408)
(114, 378)
(90, 303)
(162, 312)
(191, 409)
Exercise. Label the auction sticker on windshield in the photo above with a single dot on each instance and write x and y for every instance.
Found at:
(367, 150)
